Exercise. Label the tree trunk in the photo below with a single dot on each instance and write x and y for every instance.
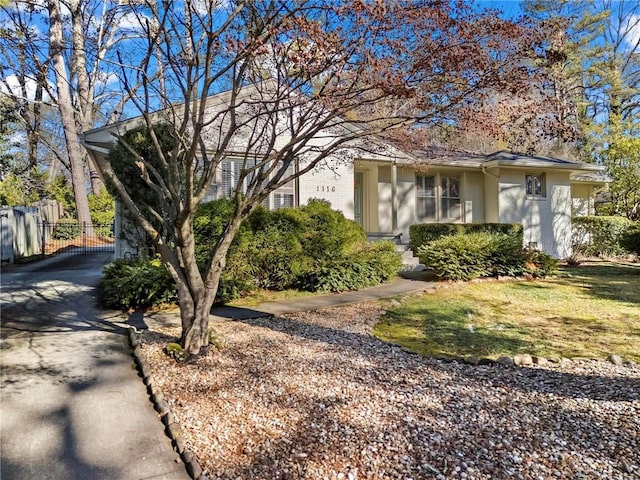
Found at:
(85, 106)
(67, 116)
(197, 299)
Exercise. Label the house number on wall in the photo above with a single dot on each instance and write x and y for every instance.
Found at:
(325, 188)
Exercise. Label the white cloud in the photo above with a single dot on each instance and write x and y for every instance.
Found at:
(633, 30)
(107, 80)
(11, 86)
(131, 21)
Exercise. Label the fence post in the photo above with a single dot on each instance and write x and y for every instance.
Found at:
(84, 237)
(44, 237)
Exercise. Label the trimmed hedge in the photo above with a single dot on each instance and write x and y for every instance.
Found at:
(425, 233)
(600, 236)
(483, 254)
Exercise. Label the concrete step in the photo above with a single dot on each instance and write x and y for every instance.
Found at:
(409, 262)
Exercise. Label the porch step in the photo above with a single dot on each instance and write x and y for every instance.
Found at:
(410, 263)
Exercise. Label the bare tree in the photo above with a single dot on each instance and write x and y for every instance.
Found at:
(56, 59)
(295, 78)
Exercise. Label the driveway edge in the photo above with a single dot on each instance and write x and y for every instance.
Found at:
(172, 427)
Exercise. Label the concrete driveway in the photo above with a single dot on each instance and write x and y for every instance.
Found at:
(71, 403)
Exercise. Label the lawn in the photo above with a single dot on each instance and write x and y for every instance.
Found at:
(591, 311)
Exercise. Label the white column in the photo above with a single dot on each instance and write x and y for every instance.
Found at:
(394, 197)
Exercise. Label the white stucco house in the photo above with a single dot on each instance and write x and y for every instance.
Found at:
(388, 191)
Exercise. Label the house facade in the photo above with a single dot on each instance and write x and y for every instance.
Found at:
(387, 196)
(386, 189)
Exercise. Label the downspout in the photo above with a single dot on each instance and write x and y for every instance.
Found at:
(296, 183)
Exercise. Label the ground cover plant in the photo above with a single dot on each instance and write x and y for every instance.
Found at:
(589, 311)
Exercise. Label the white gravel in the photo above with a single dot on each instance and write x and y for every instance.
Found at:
(315, 396)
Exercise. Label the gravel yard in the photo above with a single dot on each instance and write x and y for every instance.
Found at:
(315, 396)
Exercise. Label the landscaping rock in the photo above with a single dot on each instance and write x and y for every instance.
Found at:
(505, 361)
(318, 383)
(615, 359)
(540, 360)
(580, 359)
(486, 361)
(173, 429)
(523, 360)
(472, 360)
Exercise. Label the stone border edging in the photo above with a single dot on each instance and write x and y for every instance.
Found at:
(172, 427)
(526, 360)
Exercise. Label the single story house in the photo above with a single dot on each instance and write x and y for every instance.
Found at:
(391, 189)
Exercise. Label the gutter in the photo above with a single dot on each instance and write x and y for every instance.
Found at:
(91, 147)
(484, 170)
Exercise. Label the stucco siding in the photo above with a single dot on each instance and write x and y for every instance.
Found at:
(582, 200)
(331, 180)
(473, 197)
(546, 220)
(491, 189)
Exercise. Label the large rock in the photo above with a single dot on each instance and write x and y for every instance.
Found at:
(540, 360)
(505, 361)
(615, 359)
(523, 360)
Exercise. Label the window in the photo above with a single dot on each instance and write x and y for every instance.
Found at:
(229, 174)
(285, 195)
(282, 199)
(535, 185)
(426, 197)
(450, 203)
(438, 202)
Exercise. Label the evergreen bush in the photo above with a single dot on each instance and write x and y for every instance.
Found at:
(67, 229)
(600, 236)
(311, 247)
(136, 283)
(370, 265)
(483, 254)
(424, 233)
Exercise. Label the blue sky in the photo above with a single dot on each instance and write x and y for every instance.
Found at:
(511, 8)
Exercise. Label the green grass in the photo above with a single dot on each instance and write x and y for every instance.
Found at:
(586, 311)
(262, 296)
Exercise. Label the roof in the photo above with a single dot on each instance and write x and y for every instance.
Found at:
(439, 156)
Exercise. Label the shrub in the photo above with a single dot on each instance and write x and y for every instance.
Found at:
(483, 254)
(134, 283)
(102, 208)
(370, 265)
(424, 233)
(67, 229)
(458, 257)
(630, 241)
(311, 247)
(539, 263)
(328, 232)
(279, 249)
(599, 236)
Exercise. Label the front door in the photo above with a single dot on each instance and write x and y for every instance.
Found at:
(358, 198)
